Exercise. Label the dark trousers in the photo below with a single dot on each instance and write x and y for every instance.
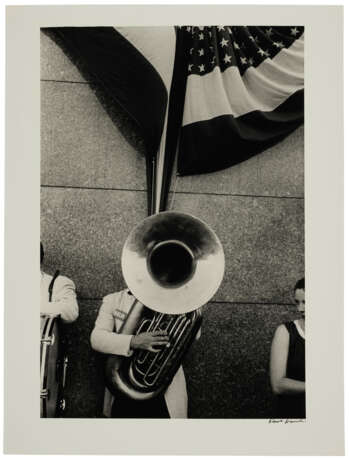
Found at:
(124, 407)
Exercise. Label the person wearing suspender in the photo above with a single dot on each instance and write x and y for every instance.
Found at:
(57, 295)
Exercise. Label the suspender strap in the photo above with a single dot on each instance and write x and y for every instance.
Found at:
(50, 288)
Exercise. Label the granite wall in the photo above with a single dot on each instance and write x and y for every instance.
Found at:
(93, 192)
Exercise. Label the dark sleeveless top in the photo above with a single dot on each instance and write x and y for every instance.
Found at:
(293, 406)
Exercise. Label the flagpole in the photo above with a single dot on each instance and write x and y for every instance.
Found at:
(174, 115)
(160, 167)
(153, 186)
(171, 128)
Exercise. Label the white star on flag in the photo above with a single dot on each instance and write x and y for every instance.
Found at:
(224, 42)
(236, 46)
(201, 52)
(202, 68)
(294, 31)
(201, 36)
(227, 58)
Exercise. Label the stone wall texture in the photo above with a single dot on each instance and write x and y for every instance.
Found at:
(93, 192)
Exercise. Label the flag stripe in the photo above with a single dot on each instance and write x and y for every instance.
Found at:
(157, 44)
(124, 75)
(130, 67)
(262, 88)
(147, 40)
(224, 141)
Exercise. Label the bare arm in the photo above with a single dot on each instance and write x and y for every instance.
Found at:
(278, 362)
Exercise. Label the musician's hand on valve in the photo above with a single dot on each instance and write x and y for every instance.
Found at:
(150, 341)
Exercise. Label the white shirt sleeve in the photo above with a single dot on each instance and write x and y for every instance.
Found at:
(103, 337)
(64, 301)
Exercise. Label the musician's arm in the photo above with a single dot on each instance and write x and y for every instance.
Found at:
(64, 301)
(278, 363)
(103, 337)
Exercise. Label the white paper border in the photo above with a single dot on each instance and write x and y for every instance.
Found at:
(322, 434)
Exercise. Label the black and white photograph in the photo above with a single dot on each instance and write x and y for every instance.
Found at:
(172, 206)
(173, 187)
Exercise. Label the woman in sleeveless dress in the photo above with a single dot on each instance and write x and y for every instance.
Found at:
(287, 362)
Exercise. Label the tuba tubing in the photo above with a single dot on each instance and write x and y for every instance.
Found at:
(121, 371)
(173, 263)
(115, 378)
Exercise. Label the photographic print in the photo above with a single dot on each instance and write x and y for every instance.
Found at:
(201, 121)
(173, 189)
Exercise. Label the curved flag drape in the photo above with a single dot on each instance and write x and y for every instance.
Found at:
(133, 67)
(235, 90)
(244, 93)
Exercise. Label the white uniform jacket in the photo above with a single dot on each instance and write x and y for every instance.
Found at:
(63, 300)
(105, 339)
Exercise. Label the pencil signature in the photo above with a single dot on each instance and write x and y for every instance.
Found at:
(286, 420)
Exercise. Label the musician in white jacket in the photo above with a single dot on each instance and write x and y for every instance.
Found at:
(57, 295)
(106, 339)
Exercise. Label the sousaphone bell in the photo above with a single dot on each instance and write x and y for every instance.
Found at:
(173, 263)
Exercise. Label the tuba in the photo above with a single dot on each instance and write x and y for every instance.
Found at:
(173, 264)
